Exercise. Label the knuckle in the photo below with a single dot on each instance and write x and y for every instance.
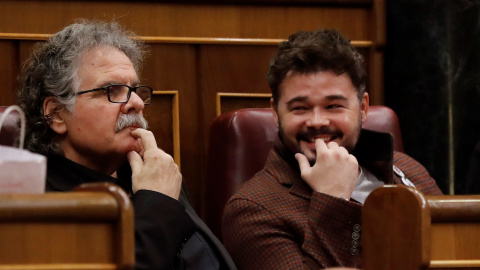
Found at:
(334, 144)
(169, 158)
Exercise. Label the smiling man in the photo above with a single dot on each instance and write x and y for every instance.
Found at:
(303, 210)
(84, 103)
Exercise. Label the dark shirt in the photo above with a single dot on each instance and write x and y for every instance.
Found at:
(168, 233)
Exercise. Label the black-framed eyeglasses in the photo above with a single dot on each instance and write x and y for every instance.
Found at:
(120, 93)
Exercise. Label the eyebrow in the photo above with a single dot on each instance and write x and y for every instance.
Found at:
(297, 99)
(305, 98)
(136, 83)
(336, 97)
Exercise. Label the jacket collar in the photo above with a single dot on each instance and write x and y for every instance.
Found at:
(64, 174)
(374, 151)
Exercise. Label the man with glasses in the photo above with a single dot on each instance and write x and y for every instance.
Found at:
(83, 100)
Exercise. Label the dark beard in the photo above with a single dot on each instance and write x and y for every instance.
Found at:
(293, 148)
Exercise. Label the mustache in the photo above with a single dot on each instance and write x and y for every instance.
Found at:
(306, 135)
(131, 119)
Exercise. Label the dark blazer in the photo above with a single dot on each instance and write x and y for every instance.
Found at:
(276, 221)
(168, 233)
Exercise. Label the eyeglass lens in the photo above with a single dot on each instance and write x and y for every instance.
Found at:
(145, 94)
(119, 93)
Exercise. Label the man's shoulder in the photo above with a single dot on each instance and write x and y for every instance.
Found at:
(406, 163)
(416, 173)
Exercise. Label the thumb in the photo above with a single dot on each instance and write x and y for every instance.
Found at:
(302, 162)
(135, 160)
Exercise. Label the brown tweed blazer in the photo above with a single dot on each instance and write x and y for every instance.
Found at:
(276, 221)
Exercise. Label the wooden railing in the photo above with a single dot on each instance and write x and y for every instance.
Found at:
(403, 229)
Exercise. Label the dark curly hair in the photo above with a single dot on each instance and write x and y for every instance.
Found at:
(52, 68)
(310, 52)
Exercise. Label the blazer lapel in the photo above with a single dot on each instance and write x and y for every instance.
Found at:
(202, 227)
(287, 175)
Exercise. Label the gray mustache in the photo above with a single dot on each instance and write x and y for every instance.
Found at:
(127, 120)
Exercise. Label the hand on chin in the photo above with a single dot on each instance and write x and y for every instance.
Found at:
(130, 142)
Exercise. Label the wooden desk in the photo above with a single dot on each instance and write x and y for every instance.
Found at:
(91, 228)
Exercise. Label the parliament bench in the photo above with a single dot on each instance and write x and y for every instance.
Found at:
(406, 230)
(89, 228)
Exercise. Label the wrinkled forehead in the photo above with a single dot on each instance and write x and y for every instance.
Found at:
(106, 63)
(100, 52)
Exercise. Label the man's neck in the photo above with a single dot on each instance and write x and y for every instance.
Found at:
(103, 165)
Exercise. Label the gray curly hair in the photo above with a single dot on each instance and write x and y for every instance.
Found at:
(52, 69)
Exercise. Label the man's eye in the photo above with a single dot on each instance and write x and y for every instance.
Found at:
(116, 90)
(334, 106)
(300, 108)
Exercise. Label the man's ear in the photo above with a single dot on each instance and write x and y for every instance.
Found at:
(364, 106)
(274, 111)
(52, 108)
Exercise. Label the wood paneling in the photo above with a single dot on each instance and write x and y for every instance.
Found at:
(228, 102)
(162, 115)
(199, 49)
(149, 18)
(8, 70)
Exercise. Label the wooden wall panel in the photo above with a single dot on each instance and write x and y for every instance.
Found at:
(199, 50)
(9, 68)
(228, 102)
(25, 48)
(233, 104)
(233, 69)
(160, 119)
(150, 18)
(173, 66)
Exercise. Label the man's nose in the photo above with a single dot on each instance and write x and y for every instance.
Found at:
(317, 119)
(135, 103)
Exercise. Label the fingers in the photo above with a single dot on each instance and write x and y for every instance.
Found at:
(139, 147)
(135, 160)
(302, 162)
(147, 139)
(320, 145)
(157, 172)
(334, 172)
(152, 168)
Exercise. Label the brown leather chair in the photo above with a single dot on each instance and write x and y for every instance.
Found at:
(10, 130)
(239, 145)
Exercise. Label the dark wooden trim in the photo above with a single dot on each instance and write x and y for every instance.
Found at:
(181, 40)
(263, 2)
